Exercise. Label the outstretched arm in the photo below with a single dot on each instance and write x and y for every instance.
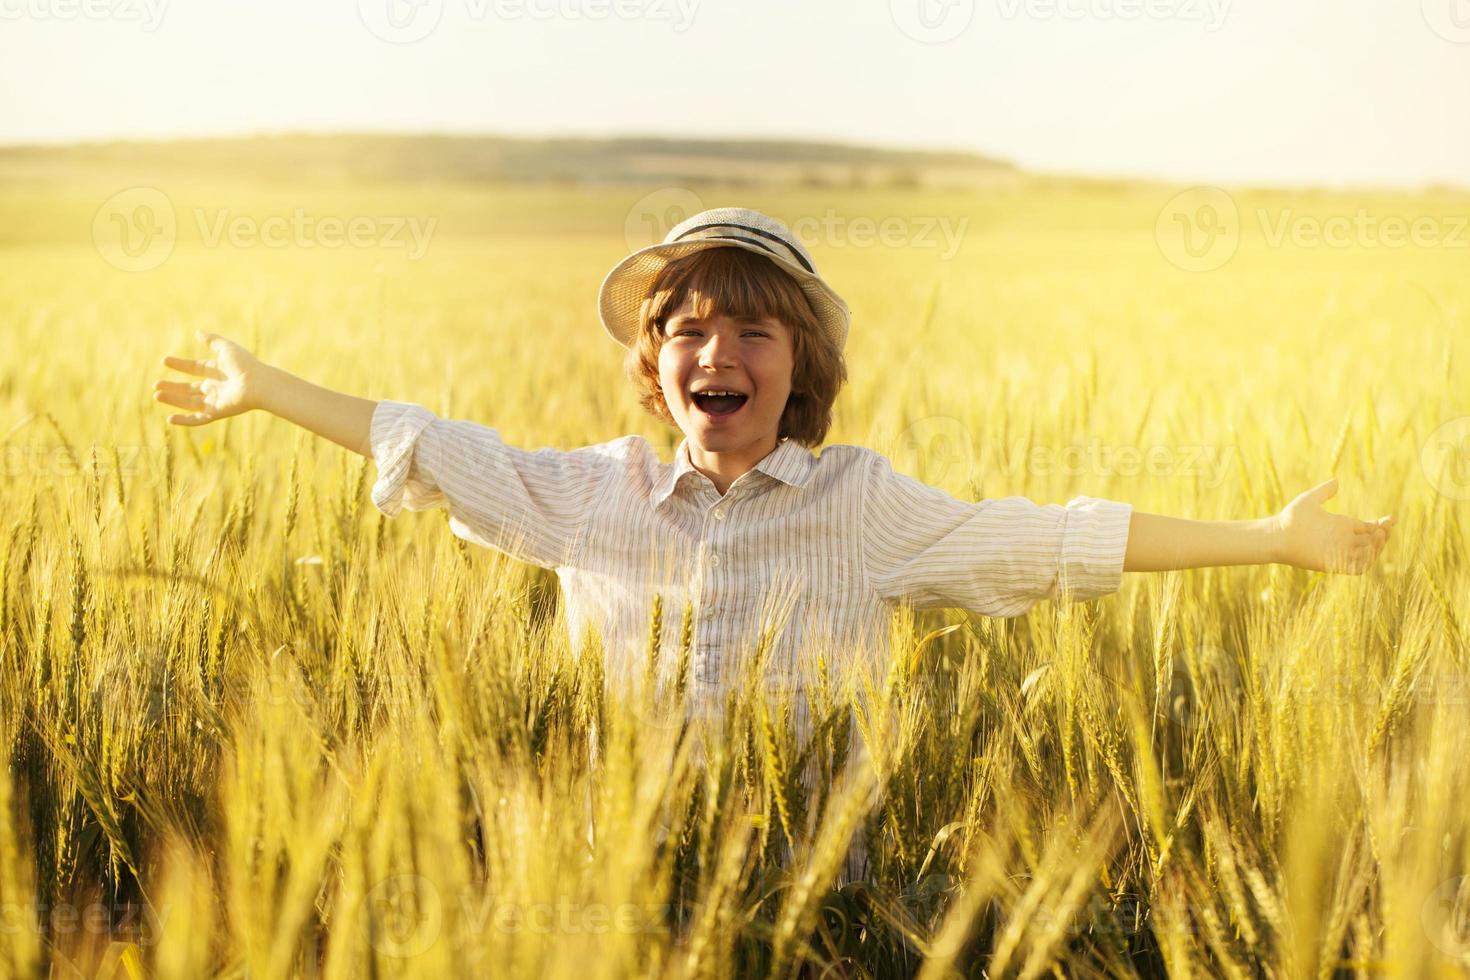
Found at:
(235, 381)
(532, 505)
(1303, 534)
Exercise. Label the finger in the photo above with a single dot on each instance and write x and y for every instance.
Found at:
(198, 418)
(1323, 491)
(1382, 523)
(179, 400)
(214, 340)
(172, 395)
(189, 365)
(1369, 533)
(179, 387)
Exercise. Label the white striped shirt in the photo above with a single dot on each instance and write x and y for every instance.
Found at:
(819, 546)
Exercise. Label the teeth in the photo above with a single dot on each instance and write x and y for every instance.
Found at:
(718, 392)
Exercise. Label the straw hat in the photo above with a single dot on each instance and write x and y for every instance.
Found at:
(631, 280)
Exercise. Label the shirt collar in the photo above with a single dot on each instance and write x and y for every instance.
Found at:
(790, 462)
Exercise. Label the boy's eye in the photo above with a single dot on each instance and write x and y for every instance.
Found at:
(758, 333)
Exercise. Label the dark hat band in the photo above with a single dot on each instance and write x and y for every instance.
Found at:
(797, 256)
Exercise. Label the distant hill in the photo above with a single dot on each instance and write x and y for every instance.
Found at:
(511, 159)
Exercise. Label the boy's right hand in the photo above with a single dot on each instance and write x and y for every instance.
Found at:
(229, 386)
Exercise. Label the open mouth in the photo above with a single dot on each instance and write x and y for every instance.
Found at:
(720, 406)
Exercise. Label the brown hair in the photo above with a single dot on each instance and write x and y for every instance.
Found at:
(737, 283)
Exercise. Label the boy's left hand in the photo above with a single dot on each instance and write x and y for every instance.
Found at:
(1312, 538)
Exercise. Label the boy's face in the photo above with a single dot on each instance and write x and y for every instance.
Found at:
(755, 359)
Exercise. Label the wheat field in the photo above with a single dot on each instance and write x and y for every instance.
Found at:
(254, 729)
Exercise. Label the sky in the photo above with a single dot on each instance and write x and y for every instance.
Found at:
(1287, 92)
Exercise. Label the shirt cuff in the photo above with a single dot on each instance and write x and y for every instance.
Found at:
(395, 429)
(1094, 542)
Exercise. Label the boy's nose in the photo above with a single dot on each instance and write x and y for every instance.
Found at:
(716, 351)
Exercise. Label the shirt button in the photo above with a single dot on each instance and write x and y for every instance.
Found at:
(714, 559)
(719, 515)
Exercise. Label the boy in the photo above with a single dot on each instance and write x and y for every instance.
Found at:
(733, 337)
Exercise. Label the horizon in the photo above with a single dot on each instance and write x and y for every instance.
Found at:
(1426, 187)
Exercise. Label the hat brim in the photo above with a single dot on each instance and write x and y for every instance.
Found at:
(620, 298)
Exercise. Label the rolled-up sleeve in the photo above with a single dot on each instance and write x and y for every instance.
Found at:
(532, 505)
(997, 557)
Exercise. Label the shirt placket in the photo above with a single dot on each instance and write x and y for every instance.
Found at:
(716, 579)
